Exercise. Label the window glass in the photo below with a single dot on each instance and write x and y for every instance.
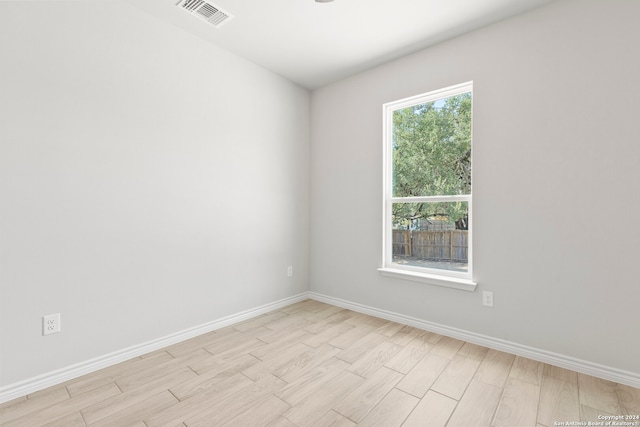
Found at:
(428, 161)
(432, 148)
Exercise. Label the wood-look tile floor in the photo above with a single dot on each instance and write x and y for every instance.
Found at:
(313, 364)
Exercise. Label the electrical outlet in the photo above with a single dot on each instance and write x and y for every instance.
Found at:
(51, 324)
(487, 298)
(290, 271)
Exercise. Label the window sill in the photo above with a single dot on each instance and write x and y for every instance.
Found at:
(431, 279)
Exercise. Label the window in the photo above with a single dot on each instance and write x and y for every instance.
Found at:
(427, 188)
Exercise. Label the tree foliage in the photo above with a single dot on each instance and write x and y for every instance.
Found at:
(432, 157)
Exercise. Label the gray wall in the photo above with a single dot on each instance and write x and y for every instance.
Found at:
(556, 182)
(138, 162)
(150, 182)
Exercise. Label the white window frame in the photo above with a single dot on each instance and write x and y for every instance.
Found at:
(433, 276)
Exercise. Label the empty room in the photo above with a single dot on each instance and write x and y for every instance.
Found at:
(319, 213)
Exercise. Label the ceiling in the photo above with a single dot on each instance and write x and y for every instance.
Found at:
(313, 44)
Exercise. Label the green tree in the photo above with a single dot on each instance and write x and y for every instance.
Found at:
(432, 157)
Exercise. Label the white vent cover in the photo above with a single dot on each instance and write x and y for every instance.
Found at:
(206, 11)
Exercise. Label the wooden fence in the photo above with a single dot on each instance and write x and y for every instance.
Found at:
(449, 245)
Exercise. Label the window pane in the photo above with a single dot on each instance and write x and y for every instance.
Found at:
(432, 148)
(431, 235)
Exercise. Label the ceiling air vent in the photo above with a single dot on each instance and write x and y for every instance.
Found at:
(206, 11)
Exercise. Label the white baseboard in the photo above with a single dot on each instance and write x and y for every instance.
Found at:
(589, 368)
(31, 385)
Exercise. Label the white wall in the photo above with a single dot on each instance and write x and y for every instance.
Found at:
(134, 157)
(555, 182)
(149, 182)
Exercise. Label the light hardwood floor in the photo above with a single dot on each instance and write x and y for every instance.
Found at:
(313, 364)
